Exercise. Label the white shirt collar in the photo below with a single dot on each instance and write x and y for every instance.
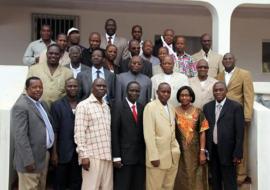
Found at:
(94, 70)
(113, 37)
(131, 104)
(229, 73)
(222, 102)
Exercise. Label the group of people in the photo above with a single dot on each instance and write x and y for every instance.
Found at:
(130, 114)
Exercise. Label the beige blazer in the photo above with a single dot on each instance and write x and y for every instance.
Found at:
(53, 85)
(122, 47)
(159, 135)
(203, 94)
(176, 81)
(214, 61)
(240, 89)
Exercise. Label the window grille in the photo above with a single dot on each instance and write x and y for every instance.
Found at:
(58, 23)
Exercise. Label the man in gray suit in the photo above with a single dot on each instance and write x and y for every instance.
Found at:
(111, 38)
(33, 136)
(134, 74)
(75, 64)
(86, 78)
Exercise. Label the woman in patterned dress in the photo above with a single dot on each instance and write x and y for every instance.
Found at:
(190, 132)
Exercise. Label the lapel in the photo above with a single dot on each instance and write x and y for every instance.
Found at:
(212, 110)
(234, 77)
(116, 40)
(224, 109)
(129, 112)
(89, 76)
(32, 106)
(106, 75)
(163, 112)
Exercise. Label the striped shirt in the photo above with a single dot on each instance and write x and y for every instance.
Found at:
(93, 129)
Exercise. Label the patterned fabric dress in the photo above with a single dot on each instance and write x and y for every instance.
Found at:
(191, 175)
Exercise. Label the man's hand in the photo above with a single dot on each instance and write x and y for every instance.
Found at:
(155, 163)
(54, 159)
(202, 158)
(86, 164)
(36, 60)
(117, 164)
(236, 161)
(30, 168)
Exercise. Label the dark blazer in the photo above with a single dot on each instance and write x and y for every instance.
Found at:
(146, 70)
(127, 135)
(85, 84)
(230, 130)
(64, 128)
(29, 134)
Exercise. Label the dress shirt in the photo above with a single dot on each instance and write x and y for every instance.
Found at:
(154, 60)
(228, 76)
(49, 129)
(92, 131)
(94, 73)
(166, 109)
(221, 104)
(112, 40)
(34, 50)
(75, 71)
(185, 65)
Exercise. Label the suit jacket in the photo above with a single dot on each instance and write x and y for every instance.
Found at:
(29, 134)
(177, 80)
(240, 89)
(203, 94)
(63, 118)
(159, 44)
(85, 83)
(146, 70)
(159, 135)
(127, 134)
(122, 47)
(214, 62)
(122, 81)
(230, 130)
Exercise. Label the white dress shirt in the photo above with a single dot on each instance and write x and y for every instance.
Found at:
(75, 71)
(228, 76)
(112, 40)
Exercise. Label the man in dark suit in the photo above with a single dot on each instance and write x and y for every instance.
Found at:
(128, 147)
(86, 78)
(166, 40)
(33, 136)
(224, 137)
(110, 37)
(134, 49)
(64, 157)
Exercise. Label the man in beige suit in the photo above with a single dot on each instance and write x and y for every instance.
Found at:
(174, 79)
(111, 38)
(240, 88)
(214, 59)
(202, 84)
(162, 149)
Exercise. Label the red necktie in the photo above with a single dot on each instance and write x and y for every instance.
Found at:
(134, 112)
(110, 40)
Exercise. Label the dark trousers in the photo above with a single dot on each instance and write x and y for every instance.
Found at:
(223, 176)
(68, 175)
(130, 177)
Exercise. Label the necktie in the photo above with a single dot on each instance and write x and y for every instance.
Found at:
(49, 129)
(134, 112)
(98, 73)
(215, 136)
(110, 40)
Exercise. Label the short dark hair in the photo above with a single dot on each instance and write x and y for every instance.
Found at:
(101, 50)
(189, 89)
(28, 81)
(53, 45)
(132, 82)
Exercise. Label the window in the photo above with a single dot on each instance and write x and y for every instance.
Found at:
(266, 56)
(58, 23)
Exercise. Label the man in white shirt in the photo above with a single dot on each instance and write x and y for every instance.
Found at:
(34, 49)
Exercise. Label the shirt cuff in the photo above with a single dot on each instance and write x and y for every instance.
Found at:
(118, 159)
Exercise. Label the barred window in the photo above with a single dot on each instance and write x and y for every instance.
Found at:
(58, 23)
